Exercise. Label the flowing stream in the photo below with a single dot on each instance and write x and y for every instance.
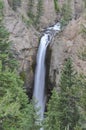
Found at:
(39, 81)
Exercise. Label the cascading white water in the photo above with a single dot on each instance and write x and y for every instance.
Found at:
(39, 83)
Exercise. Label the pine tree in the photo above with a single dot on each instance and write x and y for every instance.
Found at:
(30, 9)
(1, 10)
(56, 5)
(6, 56)
(39, 12)
(66, 13)
(62, 111)
(51, 121)
(82, 102)
(16, 112)
(69, 114)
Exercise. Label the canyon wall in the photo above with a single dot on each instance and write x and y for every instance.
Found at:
(25, 37)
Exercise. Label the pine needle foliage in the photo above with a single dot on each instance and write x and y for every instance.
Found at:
(66, 13)
(16, 112)
(69, 111)
(62, 109)
(82, 102)
(1, 10)
(39, 12)
(56, 5)
(6, 56)
(35, 19)
(51, 121)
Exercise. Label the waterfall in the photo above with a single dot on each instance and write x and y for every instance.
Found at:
(39, 81)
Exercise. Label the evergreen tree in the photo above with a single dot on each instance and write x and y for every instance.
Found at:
(39, 12)
(81, 82)
(16, 112)
(6, 56)
(66, 13)
(56, 5)
(1, 10)
(69, 114)
(51, 121)
(30, 9)
(62, 111)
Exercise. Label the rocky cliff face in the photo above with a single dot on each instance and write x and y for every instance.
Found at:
(25, 37)
(70, 42)
(25, 41)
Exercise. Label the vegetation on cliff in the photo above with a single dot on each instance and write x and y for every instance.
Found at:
(56, 6)
(16, 112)
(66, 110)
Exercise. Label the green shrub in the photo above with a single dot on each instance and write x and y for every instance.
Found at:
(28, 21)
(39, 12)
(1, 10)
(82, 53)
(56, 5)
(35, 19)
(30, 9)
(83, 31)
(66, 14)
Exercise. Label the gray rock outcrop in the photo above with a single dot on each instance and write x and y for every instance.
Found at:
(25, 38)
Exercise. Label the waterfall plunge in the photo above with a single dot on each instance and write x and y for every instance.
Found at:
(39, 83)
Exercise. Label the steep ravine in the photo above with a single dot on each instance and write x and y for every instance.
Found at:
(25, 39)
